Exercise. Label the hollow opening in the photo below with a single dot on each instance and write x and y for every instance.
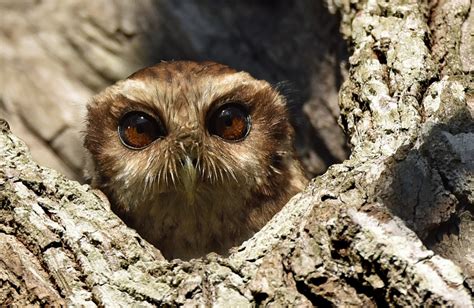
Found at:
(295, 45)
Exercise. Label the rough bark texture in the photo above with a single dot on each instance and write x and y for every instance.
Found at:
(357, 235)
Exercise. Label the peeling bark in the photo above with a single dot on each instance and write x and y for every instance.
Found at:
(357, 235)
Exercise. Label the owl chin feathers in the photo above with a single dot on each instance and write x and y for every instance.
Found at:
(196, 157)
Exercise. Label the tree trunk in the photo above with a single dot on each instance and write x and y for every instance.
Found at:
(359, 234)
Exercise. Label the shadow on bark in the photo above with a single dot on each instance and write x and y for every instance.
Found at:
(431, 190)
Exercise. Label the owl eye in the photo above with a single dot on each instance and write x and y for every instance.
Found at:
(230, 122)
(138, 129)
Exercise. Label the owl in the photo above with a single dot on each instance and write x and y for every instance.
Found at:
(196, 157)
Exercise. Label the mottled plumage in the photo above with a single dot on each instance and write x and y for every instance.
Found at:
(191, 192)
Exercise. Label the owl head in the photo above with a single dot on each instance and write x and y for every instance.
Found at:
(188, 135)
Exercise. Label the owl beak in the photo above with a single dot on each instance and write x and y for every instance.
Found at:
(189, 178)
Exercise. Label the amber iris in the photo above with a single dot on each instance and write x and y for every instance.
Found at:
(137, 130)
(230, 122)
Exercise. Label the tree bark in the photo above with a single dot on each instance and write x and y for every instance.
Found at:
(359, 234)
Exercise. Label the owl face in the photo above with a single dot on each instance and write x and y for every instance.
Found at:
(193, 155)
(184, 127)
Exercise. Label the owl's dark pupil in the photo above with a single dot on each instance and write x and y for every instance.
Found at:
(227, 119)
(142, 124)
